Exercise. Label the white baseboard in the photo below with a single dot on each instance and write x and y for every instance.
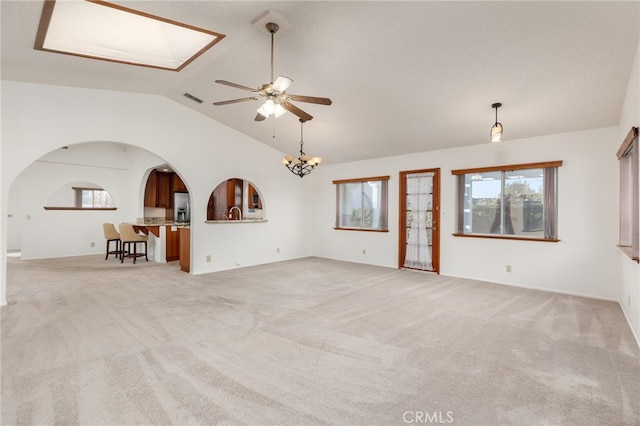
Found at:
(635, 335)
(548, 290)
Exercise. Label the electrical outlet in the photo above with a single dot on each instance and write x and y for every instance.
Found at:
(92, 244)
(508, 268)
(364, 251)
(28, 217)
(237, 263)
(278, 250)
(208, 258)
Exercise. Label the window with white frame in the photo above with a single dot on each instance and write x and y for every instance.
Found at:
(361, 204)
(629, 215)
(515, 201)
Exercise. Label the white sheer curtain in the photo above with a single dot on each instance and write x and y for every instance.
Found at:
(418, 254)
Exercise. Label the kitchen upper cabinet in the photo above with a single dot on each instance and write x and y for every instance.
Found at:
(160, 189)
(151, 190)
(177, 183)
(253, 198)
(164, 190)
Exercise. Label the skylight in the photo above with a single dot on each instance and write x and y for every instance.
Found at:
(100, 30)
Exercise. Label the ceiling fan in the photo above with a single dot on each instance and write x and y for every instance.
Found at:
(277, 101)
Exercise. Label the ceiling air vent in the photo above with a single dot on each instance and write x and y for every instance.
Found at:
(193, 98)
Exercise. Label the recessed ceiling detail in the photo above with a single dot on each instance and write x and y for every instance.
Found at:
(100, 30)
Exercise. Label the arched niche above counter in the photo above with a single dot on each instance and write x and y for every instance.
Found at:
(235, 200)
(80, 196)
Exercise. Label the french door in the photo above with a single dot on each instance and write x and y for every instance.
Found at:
(419, 239)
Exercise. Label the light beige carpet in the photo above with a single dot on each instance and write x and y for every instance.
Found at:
(311, 341)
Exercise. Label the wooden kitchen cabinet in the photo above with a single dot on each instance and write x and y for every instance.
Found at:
(160, 188)
(164, 190)
(177, 185)
(173, 244)
(185, 249)
(151, 190)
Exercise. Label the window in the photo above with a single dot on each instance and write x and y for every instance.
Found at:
(361, 204)
(80, 196)
(629, 215)
(514, 202)
(92, 198)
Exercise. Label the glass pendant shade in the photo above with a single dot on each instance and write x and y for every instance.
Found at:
(267, 108)
(496, 130)
(270, 107)
(279, 110)
(496, 133)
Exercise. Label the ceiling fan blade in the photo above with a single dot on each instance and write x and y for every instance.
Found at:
(297, 111)
(237, 86)
(259, 117)
(233, 101)
(282, 83)
(310, 99)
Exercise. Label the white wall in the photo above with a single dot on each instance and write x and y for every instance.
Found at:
(629, 296)
(38, 119)
(581, 263)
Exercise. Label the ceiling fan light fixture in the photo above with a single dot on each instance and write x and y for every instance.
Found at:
(496, 130)
(280, 111)
(267, 108)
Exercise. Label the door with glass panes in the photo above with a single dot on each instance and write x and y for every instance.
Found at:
(419, 239)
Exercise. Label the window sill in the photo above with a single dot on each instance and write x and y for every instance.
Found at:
(79, 208)
(361, 229)
(229, 221)
(504, 237)
(629, 252)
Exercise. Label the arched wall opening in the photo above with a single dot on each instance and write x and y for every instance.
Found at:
(118, 168)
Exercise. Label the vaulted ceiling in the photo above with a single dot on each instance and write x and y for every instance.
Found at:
(404, 77)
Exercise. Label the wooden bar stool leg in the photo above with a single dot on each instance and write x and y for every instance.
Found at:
(135, 252)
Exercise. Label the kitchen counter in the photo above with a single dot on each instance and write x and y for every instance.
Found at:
(164, 237)
(154, 221)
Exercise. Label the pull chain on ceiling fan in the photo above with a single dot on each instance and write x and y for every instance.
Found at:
(276, 100)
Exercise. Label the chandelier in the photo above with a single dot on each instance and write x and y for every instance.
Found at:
(304, 164)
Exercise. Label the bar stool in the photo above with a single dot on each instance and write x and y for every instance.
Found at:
(128, 237)
(111, 235)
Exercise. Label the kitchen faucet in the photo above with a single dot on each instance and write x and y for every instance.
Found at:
(239, 212)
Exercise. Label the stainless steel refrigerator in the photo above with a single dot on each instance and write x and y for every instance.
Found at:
(181, 207)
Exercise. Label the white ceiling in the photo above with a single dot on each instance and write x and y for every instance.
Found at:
(403, 76)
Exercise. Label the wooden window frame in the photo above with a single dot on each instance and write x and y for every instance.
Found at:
(362, 180)
(630, 196)
(504, 168)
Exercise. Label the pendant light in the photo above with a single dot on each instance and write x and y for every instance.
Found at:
(496, 130)
(304, 164)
